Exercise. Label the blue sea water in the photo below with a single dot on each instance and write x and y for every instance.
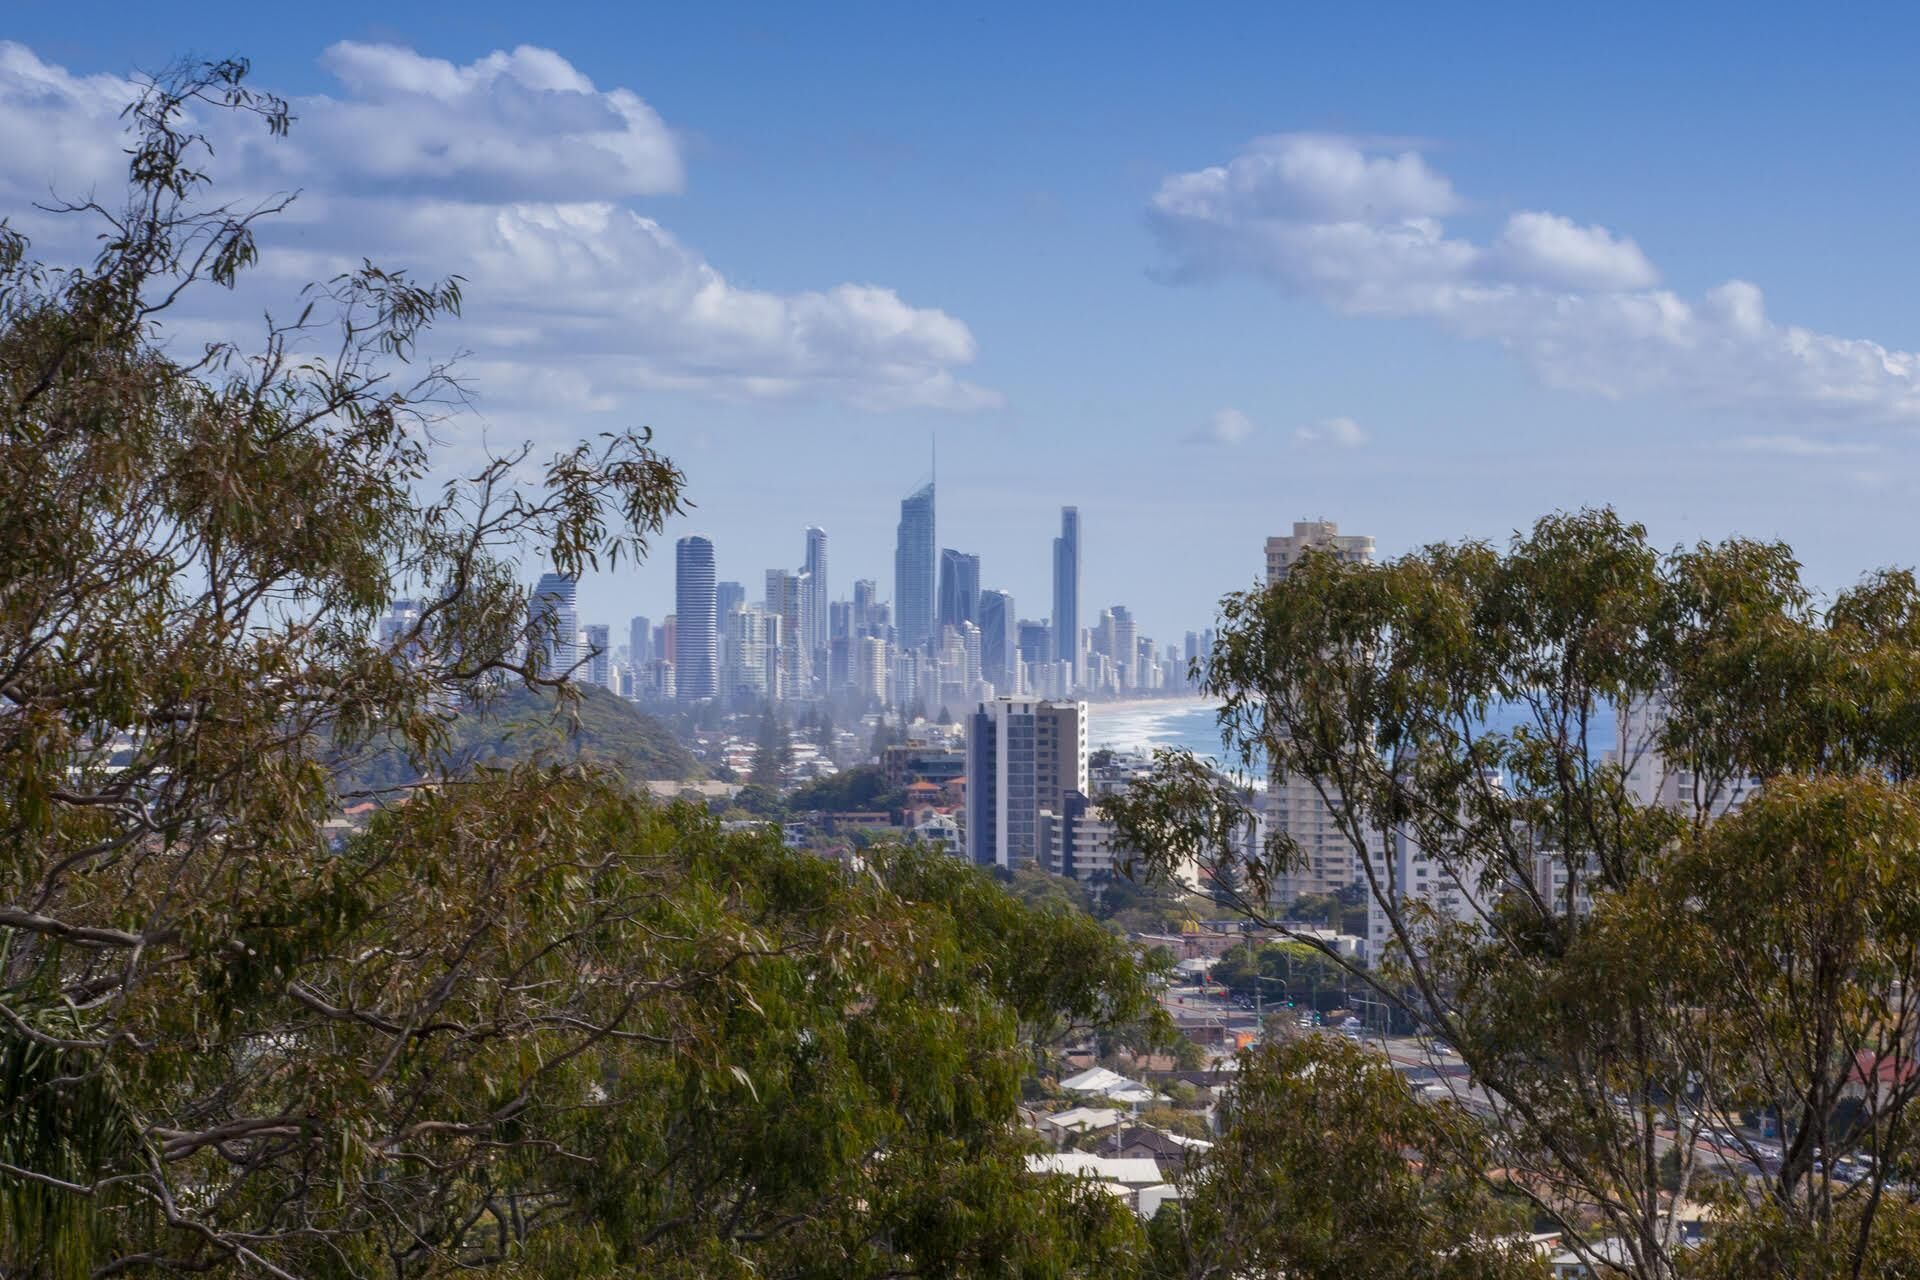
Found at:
(1191, 723)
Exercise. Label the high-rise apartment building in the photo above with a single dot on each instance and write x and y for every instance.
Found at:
(640, 643)
(1328, 860)
(1066, 590)
(596, 650)
(999, 647)
(959, 587)
(553, 624)
(1023, 757)
(815, 567)
(864, 616)
(789, 595)
(870, 669)
(1124, 647)
(753, 662)
(913, 569)
(1283, 552)
(696, 654)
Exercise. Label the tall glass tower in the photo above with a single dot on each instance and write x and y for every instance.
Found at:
(1066, 591)
(816, 570)
(913, 568)
(696, 641)
(959, 588)
(554, 624)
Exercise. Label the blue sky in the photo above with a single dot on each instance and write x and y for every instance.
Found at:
(1477, 270)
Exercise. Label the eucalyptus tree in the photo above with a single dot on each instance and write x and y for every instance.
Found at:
(1653, 933)
(524, 1020)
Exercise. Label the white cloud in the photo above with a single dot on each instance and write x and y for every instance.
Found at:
(1339, 433)
(1357, 226)
(1547, 248)
(1225, 427)
(513, 172)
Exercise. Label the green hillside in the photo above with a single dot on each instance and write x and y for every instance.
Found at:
(599, 727)
(517, 724)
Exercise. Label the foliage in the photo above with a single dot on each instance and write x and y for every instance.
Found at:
(524, 1020)
(772, 752)
(1328, 1167)
(863, 788)
(1627, 960)
(588, 724)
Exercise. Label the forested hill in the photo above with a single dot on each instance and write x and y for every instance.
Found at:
(599, 727)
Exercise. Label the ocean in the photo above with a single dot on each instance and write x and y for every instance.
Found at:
(1190, 723)
(1166, 722)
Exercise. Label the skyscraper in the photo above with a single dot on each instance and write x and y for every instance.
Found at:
(728, 596)
(999, 652)
(696, 658)
(913, 568)
(959, 587)
(815, 568)
(790, 598)
(1066, 590)
(1123, 646)
(596, 650)
(640, 643)
(552, 622)
(1327, 862)
(1315, 535)
(863, 613)
(1023, 757)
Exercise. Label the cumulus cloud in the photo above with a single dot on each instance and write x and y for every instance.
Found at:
(1225, 427)
(514, 171)
(1338, 433)
(1358, 225)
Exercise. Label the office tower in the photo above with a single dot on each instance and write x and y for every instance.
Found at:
(959, 587)
(596, 650)
(1066, 590)
(1023, 758)
(696, 655)
(666, 641)
(913, 569)
(863, 608)
(552, 622)
(640, 643)
(789, 597)
(870, 670)
(815, 567)
(1315, 535)
(999, 657)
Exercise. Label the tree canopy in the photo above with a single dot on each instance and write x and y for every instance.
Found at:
(1631, 937)
(522, 1019)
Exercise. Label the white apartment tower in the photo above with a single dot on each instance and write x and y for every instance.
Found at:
(1283, 552)
(1328, 861)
